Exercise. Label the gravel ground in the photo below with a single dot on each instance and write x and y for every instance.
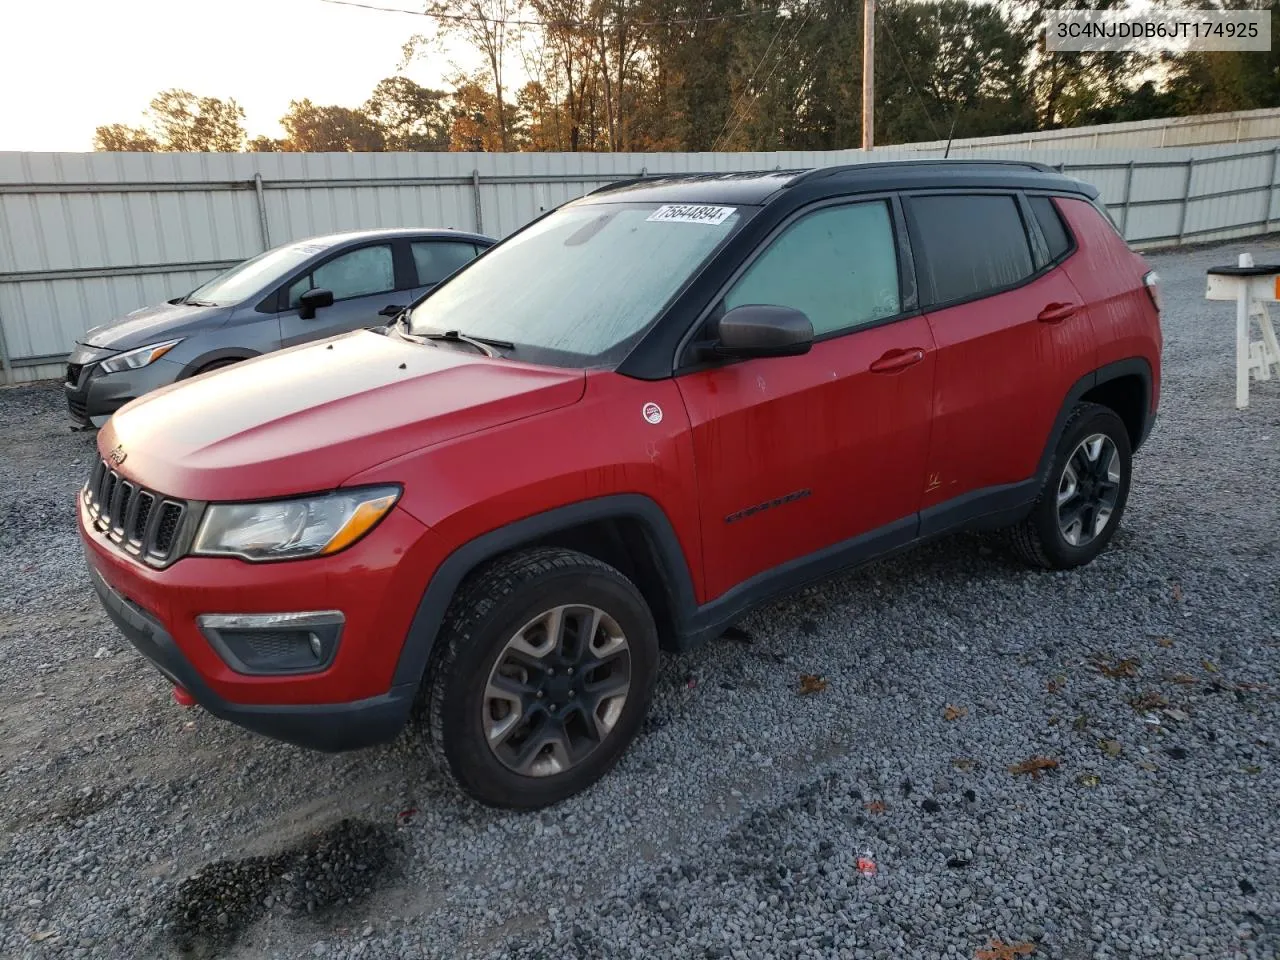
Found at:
(749, 819)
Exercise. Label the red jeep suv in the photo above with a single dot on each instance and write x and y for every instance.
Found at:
(615, 432)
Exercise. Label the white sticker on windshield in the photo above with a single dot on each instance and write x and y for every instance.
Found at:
(691, 213)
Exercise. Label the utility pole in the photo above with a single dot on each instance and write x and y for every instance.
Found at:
(868, 73)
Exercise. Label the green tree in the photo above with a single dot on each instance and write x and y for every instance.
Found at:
(331, 129)
(121, 138)
(410, 116)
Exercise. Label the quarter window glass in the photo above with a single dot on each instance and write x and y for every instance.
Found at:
(435, 260)
(972, 245)
(1055, 234)
(838, 266)
(359, 273)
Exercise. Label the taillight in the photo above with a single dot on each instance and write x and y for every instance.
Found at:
(1151, 280)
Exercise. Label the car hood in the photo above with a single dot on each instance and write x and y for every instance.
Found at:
(151, 325)
(308, 418)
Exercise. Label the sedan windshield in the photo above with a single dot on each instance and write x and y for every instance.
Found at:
(245, 279)
(581, 285)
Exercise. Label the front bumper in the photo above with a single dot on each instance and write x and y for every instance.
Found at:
(330, 726)
(92, 396)
(352, 702)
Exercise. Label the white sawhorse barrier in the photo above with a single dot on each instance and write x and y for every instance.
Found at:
(1252, 288)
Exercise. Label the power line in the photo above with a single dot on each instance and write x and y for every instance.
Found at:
(746, 88)
(907, 71)
(476, 18)
(777, 63)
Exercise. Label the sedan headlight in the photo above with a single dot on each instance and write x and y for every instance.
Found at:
(136, 359)
(290, 529)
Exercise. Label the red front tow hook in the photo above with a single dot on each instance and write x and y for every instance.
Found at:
(182, 698)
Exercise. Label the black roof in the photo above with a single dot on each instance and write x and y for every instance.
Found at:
(760, 186)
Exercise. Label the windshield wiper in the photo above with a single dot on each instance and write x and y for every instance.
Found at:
(198, 303)
(483, 344)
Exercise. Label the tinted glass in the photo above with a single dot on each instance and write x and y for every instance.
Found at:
(436, 259)
(971, 245)
(1055, 234)
(580, 285)
(838, 266)
(253, 276)
(359, 273)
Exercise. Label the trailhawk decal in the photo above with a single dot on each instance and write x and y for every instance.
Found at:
(767, 505)
(691, 213)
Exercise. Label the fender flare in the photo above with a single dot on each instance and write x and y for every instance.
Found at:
(1111, 371)
(420, 641)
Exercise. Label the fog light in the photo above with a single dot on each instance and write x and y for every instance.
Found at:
(274, 643)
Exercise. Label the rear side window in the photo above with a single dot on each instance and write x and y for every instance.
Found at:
(436, 259)
(839, 266)
(1055, 234)
(971, 245)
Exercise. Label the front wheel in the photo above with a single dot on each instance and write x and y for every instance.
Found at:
(1084, 494)
(545, 666)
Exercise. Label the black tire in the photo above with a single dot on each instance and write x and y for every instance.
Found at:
(216, 365)
(1040, 538)
(491, 607)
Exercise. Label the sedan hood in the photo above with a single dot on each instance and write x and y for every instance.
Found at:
(151, 325)
(308, 418)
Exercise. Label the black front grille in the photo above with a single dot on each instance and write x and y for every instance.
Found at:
(79, 408)
(139, 521)
(73, 373)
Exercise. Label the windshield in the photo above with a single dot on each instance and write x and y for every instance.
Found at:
(582, 284)
(246, 279)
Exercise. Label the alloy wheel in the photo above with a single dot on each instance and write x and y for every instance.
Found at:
(1089, 489)
(556, 690)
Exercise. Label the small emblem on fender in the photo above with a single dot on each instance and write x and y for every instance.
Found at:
(652, 412)
(117, 455)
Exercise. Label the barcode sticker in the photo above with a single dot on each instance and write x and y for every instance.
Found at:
(691, 213)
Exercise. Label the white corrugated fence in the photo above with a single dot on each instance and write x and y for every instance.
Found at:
(85, 237)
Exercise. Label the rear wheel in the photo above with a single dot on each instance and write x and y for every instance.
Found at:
(1084, 495)
(544, 670)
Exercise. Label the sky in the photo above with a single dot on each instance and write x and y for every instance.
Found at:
(68, 66)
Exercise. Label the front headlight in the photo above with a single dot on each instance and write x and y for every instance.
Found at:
(136, 359)
(289, 529)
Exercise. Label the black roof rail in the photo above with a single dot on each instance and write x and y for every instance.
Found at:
(818, 172)
(615, 184)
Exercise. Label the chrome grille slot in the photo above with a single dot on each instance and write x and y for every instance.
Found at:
(141, 522)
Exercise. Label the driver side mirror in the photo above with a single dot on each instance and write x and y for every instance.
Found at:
(313, 300)
(761, 330)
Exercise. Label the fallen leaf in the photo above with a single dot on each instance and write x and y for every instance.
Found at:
(1080, 722)
(1033, 766)
(1165, 642)
(43, 935)
(963, 763)
(1088, 779)
(999, 950)
(954, 713)
(1183, 678)
(1148, 701)
(1209, 666)
(1177, 593)
(1128, 667)
(810, 683)
(875, 806)
(1148, 766)
(1253, 768)
(1056, 683)
(1111, 748)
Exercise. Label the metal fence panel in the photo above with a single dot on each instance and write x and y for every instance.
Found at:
(88, 237)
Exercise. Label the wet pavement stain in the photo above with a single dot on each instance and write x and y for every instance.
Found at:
(326, 871)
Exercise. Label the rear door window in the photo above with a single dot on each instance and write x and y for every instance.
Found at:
(838, 266)
(1055, 234)
(967, 245)
(436, 259)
